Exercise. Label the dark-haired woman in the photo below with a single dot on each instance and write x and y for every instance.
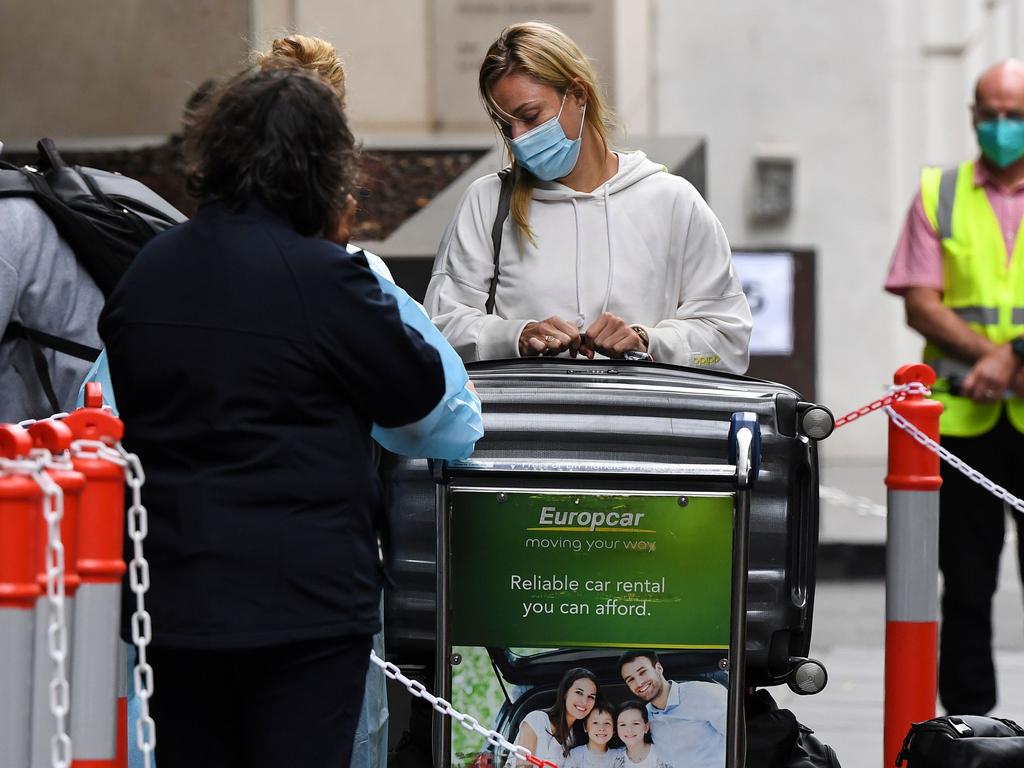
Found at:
(250, 357)
(550, 734)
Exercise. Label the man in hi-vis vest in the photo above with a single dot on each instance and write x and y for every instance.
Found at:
(959, 265)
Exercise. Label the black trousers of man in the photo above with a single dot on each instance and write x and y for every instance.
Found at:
(971, 529)
(286, 705)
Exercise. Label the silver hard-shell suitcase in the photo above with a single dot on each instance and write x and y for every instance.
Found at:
(646, 414)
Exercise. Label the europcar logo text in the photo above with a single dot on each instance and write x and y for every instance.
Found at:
(551, 519)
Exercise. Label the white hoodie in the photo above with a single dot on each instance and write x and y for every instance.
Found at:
(644, 246)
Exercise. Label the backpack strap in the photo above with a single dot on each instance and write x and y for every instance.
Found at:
(504, 206)
(38, 339)
(14, 182)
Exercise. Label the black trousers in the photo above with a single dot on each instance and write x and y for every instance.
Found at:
(971, 523)
(287, 705)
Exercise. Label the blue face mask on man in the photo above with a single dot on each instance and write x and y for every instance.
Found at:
(1002, 140)
(546, 151)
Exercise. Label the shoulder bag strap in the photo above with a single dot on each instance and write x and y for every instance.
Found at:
(504, 206)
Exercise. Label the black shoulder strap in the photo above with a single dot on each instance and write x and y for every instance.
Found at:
(36, 340)
(14, 182)
(504, 205)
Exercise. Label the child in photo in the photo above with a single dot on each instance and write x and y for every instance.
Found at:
(600, 729)
(634, 731)
(551, 733)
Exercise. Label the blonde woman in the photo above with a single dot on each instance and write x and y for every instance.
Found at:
(603, 252)
(311, 53)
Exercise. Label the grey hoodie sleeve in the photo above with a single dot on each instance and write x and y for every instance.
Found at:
(711, 326)
(456, 297)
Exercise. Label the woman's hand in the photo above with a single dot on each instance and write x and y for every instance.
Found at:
(612, 337)
(549, 337)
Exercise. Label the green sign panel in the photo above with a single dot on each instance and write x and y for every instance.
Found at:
(556, 570)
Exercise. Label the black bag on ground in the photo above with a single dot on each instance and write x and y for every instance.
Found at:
(104, 217)
(775, 739)
(965, 741)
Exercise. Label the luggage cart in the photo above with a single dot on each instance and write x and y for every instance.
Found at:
(555, 481)
(620, 430)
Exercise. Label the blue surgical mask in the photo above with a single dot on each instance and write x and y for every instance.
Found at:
(546, 151)
(1001, 141)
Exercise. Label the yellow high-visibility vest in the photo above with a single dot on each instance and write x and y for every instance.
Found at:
(979, 285)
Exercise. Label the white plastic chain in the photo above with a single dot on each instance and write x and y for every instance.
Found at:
(55, 417)
(56, 626)
(138, 579)
(957, 463)
(862, 505)
(469, 722)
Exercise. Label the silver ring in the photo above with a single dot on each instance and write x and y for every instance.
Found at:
(549, 339)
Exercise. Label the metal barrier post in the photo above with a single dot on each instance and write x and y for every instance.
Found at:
(912, 565)
(55, 437)
(101, 566)
(20, 504)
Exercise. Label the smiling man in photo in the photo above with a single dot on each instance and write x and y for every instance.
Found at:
(688, 718)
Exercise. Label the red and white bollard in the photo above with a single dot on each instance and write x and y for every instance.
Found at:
(55, 438)
(94, 675)
(20, 505)
(912, 565)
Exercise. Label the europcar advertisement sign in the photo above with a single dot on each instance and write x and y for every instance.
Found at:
(559, 570)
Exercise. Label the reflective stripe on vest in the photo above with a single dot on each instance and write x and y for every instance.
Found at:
(979, 285)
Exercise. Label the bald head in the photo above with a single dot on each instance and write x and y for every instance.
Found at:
(1000, 89)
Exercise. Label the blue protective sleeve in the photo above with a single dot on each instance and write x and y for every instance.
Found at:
(100, 372)
(451, 429)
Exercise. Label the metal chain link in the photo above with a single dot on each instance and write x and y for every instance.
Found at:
(138, 579)
(56, 627)
(895, 394)
(957, 463)
(469, 722)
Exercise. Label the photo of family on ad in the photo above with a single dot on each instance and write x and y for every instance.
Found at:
(641, 716)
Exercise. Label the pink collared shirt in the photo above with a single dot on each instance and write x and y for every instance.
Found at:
(917, 258)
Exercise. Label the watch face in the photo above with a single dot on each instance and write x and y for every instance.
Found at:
(1017, 345)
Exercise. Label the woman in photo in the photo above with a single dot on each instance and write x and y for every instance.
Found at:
(599, 727)
(550, 734)
(634, 731)
(603, 251)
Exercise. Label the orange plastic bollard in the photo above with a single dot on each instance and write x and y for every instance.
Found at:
(20, 504)
(912, 565)
(94, 694)
(55, 437)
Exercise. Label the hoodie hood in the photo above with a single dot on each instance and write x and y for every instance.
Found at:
(633, 167)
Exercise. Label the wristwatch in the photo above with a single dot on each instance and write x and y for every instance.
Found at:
(642, 333)
(1017, 345)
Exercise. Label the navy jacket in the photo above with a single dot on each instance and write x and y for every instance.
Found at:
(249, 363)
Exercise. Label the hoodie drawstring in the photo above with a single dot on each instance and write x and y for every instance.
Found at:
(581, 316)
(611, 262)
